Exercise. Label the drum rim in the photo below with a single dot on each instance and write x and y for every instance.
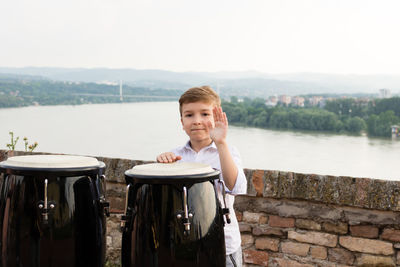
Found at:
(20, 169)
(175, 179)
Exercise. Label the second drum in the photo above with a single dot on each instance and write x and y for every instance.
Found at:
(172, 217)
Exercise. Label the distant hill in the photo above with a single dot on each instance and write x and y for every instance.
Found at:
(249, 83)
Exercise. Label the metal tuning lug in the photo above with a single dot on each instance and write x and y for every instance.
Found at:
(185, 218)
(44, 205)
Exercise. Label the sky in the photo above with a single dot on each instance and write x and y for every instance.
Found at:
(280, 36)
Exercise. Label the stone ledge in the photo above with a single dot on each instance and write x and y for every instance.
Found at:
(338, 190)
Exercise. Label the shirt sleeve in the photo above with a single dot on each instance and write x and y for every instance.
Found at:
(240, 187)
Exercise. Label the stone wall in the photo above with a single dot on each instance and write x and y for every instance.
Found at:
(293, 219)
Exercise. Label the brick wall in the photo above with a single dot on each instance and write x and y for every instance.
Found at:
(293, 219)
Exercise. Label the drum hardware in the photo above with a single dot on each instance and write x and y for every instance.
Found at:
(185, 215)
(130, 212)
(125, 217)
(185, 219)
(225, 210)
(104, 204)
(46, 205)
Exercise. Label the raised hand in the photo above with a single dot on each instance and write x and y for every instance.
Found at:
(219, 131)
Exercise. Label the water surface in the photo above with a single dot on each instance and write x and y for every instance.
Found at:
(143, 130)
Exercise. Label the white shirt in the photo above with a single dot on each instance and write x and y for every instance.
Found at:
(209, 155)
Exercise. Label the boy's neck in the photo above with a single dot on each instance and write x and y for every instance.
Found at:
(199, 145)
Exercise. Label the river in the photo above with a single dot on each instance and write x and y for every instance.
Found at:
(143, 130)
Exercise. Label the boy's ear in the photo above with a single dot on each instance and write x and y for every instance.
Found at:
(181, 121)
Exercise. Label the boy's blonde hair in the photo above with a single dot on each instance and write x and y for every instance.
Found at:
(199, 94)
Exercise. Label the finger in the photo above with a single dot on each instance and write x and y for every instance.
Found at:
(178, 158)
(215, 114)
(209, 126)
(225, 119)
(170, 158)
(218, 112)
(221, 114)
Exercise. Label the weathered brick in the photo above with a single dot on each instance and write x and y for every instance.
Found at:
(117, 204)
(252, 217)
(340, 255)
(356, 216)
(276, 221)
(290, 208)
(247, 240)
(261, 230)
(263, 219)
(299, 249)
(239, 216)
(255, 257)
(370, 260)
(244, 227)
(258, 182)
(337, 228)
(307, 224)
(398, 258)
(319, 252)
(367, 231)
(322, 239)
(288, 263)
(391, 234)
(267, 243)
(366, 245)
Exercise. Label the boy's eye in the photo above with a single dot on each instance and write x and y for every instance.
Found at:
(188, 115)
(206, 114)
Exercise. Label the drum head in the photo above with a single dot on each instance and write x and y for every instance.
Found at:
(50, 162)
(172, 172)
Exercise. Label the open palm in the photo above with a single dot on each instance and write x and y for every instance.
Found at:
(219, 131)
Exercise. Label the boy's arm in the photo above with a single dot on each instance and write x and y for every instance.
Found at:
(218, 134)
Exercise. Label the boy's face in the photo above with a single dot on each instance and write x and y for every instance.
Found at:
(195, 118)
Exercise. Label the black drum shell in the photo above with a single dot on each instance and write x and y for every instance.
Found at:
(156, 237)
(73, 235)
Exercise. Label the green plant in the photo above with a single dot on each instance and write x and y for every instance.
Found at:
(30, 147)
(13, 143)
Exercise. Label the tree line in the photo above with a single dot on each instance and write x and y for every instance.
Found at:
(352, 116)
(19, 93)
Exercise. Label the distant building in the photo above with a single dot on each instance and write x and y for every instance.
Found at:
(271, 101)
(298, 101)
(315, 100)
(385, 93)
(363, 101)
(395, 131)
(285, 99)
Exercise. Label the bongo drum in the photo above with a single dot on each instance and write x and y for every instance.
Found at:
(172, 216)
(52, 211)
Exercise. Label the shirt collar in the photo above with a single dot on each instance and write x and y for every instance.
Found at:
(212, 145)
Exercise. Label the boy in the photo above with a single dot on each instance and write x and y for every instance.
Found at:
(207, 126)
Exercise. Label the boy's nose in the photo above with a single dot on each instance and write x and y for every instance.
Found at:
(197, 120)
